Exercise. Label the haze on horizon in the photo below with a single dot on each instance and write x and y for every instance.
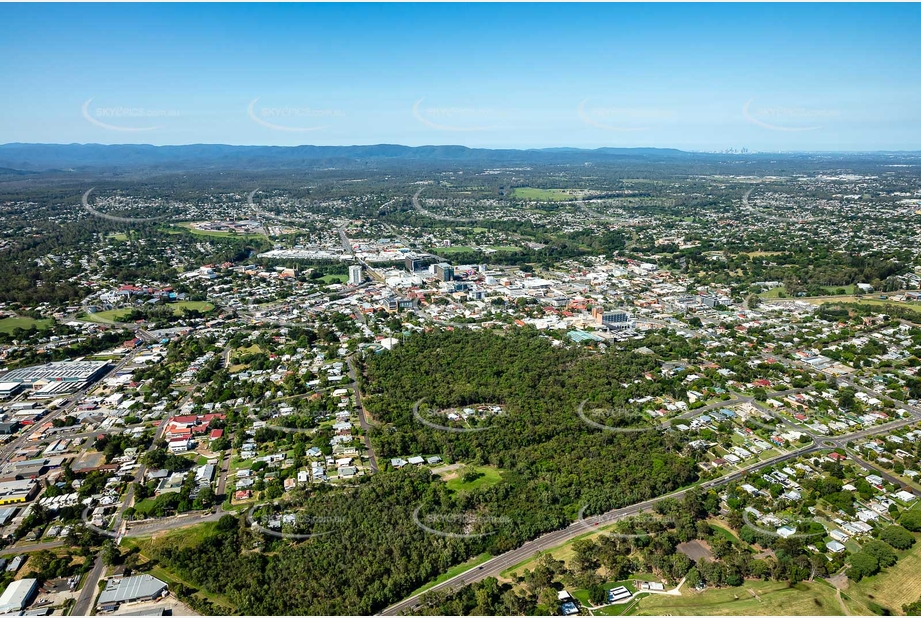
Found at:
(695, 77)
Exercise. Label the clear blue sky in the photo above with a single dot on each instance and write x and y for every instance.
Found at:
(765, 77)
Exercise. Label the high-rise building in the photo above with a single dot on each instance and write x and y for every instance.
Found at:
(413, 264)
(355, 277)
(613, 320)
(444, 272)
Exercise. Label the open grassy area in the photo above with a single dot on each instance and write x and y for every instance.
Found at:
(179, 538)
(757, 254)
(490, 476)
(722, 529)
(895, 586)
(201, 306)
(8, 325)
(773, 292)
(333, 279)
(453, 571)
(546, 195)
(243, 351)
(145, 506)
(865, 300)
(620, 609)
(753, 598)
(108, 317)
(449, 250)
(563, 552)
(184, 537)
(119, 315)
(188, 228)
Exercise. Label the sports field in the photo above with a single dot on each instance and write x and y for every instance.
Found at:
(546, 195)
(8, 325)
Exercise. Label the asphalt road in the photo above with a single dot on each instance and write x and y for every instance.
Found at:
(89, 591)
(362, 420)
(495, 566)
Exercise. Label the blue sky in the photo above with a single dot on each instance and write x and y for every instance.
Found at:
(701, 77)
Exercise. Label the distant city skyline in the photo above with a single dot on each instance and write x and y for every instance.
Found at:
(790, 77)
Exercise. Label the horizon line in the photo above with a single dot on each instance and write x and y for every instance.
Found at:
(512, 148)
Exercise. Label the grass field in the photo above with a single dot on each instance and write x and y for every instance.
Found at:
(107, 317)
(452, 572)
(145, 506)
(720, 529)
(253, 349)
(333, 279)
(545, 195)
(491, 476)
(769, 598)
(449, 250)
(188, 228)
(8, 325)
(117, 315)
(620, 609)
(201, 306)
(773, 292)
(894, 587)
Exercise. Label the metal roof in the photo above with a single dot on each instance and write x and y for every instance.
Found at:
(130, 589)
(16, 595)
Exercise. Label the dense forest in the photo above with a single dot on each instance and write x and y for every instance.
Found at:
(540, 441)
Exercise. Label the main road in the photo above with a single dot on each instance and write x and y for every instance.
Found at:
(495, 566)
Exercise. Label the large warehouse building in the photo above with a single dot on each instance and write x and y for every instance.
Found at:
(129, 590)
(53, 379)
(17, 595)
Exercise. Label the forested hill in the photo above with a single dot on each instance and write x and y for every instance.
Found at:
(539, 437)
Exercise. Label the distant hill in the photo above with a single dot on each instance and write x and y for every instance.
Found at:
(44, 157)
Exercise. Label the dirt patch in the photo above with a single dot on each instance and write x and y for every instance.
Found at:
(839, 581)
(696, 550)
